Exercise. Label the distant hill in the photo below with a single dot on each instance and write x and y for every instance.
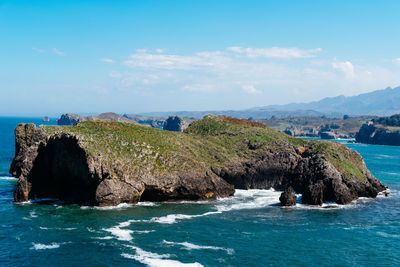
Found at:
(384, 102)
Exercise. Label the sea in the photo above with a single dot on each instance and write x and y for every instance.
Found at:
(248, 229)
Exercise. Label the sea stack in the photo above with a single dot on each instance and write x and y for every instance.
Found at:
(288, 197)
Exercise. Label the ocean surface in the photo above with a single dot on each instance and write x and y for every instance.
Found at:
(249, 229)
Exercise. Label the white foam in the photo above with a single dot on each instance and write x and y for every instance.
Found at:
(38, 246)
(103, 237)
(324, 206)
(146, 204)
(124, 234)
(91, 230)
(243, 199)
(8, 178)
(144, 231)
(156, 260)
(387, 235)
(62, 229)
(38, 200)
(190, 246)
(251, 199)
(173, 218)
(32, 214)
(389, 193)
(117, 207)
(23, 203)
(121, 234)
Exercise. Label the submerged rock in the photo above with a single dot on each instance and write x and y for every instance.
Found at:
(107, 163)
(288, 197)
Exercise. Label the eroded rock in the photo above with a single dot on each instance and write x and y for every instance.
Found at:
(107, 163)
(288, 197)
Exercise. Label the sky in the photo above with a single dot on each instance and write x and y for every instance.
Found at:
(89, 57)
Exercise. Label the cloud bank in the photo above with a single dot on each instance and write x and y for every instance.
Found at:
(291, 72)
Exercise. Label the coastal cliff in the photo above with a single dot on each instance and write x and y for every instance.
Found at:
(379, 135)
(107, 163)
(176, 124)
(381, 131)
(321, 127)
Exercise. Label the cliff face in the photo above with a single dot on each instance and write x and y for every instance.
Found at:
(379, 135)
(107, 163)
(176, 124)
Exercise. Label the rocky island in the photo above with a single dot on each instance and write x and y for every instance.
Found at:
(104, 163)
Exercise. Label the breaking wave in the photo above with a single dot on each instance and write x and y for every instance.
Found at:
(190, 246)
(156, 260)
(38, 246)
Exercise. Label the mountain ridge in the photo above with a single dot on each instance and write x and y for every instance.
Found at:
(382, 102)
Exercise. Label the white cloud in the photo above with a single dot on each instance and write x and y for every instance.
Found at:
(164, 61)
(99, 89)
(345, 67)
(199, 88)
(58, 52)
(397, 61)
(108, 60)
(250, 89)
(275, 52)
(115, 74)
(159, 50)
(38, 50)
(234, 70)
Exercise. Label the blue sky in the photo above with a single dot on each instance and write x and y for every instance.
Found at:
(141, 56)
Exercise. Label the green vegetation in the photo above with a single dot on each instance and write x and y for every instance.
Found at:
(214, 141)
(393, 120)
(347, 161)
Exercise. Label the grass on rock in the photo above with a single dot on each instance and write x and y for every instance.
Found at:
(213, 141)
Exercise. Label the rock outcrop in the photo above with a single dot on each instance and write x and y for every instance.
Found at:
(378, 135)
(175, 124)
(152, 121)
(327, 135)
(72, 119)
(107, 163)
(288, 197)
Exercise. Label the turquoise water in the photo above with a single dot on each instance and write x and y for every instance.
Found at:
(249, 229)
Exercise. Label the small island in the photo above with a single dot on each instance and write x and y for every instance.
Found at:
(105, 163)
